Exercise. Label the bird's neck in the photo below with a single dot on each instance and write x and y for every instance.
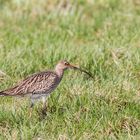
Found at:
(59, 72)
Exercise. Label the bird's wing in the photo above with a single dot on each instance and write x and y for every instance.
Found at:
(37, 83)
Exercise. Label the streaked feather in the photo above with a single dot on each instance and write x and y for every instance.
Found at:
(39, 83)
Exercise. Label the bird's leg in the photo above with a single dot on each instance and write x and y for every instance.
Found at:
(44, 109)
(31, 104)
(31, 107)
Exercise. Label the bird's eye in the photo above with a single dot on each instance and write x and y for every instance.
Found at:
(66, 63)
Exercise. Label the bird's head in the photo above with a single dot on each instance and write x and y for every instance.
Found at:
(63, 65)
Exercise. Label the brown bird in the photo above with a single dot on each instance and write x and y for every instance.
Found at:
(40, 85)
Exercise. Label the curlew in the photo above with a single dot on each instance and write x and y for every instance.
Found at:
(40, 85)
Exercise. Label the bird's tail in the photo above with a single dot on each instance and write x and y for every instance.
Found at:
(3, 94)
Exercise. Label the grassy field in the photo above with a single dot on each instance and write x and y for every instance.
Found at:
(103, 37)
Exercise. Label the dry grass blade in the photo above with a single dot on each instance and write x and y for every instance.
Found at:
(2, 73)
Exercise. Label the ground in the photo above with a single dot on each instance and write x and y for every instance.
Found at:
(101, 36)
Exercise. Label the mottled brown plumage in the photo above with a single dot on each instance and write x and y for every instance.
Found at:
(35, 84)
(39, 85)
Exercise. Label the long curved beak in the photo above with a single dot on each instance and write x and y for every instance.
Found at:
(78, 68)
(73, 67)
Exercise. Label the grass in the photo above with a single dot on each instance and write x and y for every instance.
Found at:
(101, 36)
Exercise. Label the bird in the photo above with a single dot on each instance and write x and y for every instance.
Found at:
(39, 85)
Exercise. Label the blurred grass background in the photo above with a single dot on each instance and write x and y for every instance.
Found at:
(101, 36)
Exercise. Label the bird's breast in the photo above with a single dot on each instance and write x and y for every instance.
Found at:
(53, 84)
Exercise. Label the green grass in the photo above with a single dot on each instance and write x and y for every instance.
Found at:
(102, 36)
